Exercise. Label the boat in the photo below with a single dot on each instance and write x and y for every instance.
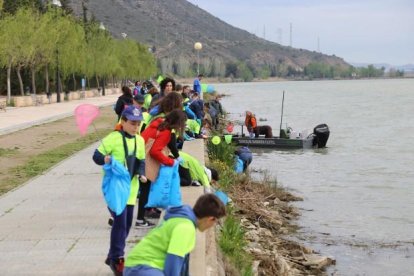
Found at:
(288, 139)
(317, 139)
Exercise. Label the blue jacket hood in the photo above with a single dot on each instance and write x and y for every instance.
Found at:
(184, 211)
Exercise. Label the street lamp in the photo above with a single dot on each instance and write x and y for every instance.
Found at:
(57, 5)
(198, 46)
(124, 81)
(102, 28)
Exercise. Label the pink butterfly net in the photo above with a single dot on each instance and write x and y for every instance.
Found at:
(85, 114)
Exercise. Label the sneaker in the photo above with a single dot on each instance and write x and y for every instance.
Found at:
(152, 214)
(111, 221)
(195, 183)
(144, 224)
(117, 266)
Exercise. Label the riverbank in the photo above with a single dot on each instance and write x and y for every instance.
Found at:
(268, 218)
(189, 81)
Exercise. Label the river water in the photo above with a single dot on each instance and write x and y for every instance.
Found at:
(359, 192)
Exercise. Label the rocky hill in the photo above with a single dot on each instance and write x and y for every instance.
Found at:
(171, 27)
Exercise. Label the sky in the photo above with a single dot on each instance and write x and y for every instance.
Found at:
(360, 31)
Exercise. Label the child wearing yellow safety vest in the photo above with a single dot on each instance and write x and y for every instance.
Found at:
(126, 147)
(165, 250)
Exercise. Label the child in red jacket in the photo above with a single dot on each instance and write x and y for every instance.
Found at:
(161, 130)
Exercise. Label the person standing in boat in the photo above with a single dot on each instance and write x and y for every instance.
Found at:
(255, 130)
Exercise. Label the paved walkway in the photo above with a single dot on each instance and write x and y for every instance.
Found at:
(55, 224)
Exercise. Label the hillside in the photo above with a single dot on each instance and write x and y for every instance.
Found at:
(172, 27)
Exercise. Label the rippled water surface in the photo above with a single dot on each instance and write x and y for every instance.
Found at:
(359, 192)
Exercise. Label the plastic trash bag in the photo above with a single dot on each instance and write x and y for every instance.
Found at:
(165, 190)
(116, 185)
(238, 166)
(189, 112)
(222, 196)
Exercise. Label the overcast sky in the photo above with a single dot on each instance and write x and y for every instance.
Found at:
(366, 31)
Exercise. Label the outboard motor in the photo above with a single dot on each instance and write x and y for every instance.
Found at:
(320, 135)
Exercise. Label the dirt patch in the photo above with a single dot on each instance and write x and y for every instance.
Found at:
(268, 219)
(17, 148)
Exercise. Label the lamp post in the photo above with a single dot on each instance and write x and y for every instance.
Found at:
(57, 5)
(198, 46)
(102, 28)
(124, 81)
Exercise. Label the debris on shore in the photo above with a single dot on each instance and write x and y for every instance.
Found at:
(267, 218)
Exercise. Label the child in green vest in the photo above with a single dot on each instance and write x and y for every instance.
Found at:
(165, 250)
(126, 147)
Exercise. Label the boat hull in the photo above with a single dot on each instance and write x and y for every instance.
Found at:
(276, 142)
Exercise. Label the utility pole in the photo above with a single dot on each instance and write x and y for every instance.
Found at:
(264, 31)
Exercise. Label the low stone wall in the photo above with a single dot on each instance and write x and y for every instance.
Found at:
(204, 258)
(3, 104)
(33, 100)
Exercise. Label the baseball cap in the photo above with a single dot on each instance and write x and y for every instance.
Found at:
(139, 98)
(132, 113)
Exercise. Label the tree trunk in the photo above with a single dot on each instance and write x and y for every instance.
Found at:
(62, 87)
(47, 79)
(19, 76)
(33, 79)
(74, 82)
(97, 81)
(9, 83)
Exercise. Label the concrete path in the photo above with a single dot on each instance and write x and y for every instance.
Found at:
(56, 224)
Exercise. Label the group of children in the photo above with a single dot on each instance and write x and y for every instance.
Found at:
(164, 251)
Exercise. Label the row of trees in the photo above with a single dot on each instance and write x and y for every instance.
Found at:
(43, 40)
(217, 67)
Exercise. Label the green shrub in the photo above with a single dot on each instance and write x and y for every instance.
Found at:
(232, 242)
(223, 152)
(231, 239)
